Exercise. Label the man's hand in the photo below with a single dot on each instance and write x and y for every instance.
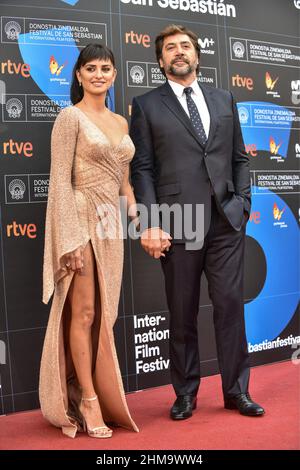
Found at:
(155, 241)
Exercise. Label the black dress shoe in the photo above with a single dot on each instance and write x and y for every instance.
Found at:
(183, 407)
(244, 404)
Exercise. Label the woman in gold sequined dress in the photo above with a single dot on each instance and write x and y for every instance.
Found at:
(80, 381)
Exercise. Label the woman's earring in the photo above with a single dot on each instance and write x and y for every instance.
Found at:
(79, 83)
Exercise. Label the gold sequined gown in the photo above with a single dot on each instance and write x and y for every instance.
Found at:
(85, 178)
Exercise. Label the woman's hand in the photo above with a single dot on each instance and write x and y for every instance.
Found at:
(74, 260)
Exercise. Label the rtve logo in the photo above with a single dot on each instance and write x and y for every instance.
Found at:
(251, 149)
(255, 217)
(21, 230)
(15, 68)
(245, 82)
(137, 38)
(12, 148)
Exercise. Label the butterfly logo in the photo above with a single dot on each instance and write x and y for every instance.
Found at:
(54, 67)
(277, 213)
(269, 82)
(274, 147)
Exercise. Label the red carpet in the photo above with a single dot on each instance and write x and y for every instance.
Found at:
(275, 386)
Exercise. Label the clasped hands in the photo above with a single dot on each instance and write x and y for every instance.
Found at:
(155, 241)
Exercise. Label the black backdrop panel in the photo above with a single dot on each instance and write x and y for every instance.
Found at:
(252, 49)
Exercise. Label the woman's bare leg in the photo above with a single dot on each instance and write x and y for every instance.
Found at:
(82, 300)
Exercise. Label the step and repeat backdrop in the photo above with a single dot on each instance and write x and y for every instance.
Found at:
(251, 48)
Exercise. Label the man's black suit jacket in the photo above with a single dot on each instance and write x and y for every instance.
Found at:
(170, 164)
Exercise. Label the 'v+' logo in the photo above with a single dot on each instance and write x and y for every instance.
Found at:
(205, 43)
(295, 87)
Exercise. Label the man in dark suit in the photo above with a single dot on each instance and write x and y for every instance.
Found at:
(190, 153)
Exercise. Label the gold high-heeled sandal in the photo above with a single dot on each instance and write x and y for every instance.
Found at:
(101, 432)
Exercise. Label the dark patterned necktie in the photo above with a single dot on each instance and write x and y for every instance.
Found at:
(195, 116)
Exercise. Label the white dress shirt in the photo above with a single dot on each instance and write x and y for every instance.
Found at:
(198, 98)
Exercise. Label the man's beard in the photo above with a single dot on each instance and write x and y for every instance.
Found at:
(181, 71)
